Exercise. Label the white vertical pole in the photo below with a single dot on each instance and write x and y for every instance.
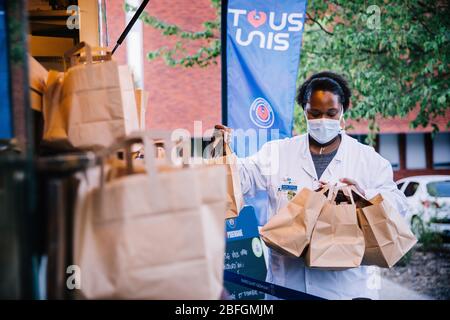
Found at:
(89, 23)
(135, 47)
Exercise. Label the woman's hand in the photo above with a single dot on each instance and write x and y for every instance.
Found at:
(225, 132)
(222, 136)
(347, 181)
(352, 182)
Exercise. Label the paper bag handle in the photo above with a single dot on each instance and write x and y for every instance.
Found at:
(105, 53)
(354, 190)
(324, 189)
(69, 55)
(334, 189)
(365, 202)
(348, 192)
(148, 139)
(332, 192)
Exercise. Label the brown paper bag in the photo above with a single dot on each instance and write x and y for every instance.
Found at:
(289, 230)
(102, 104)
(154, 235)
(95, 105)
(235, 198)
(55, 117)
(387, 235)
(337, 241)
(37, 79)
(141, 105)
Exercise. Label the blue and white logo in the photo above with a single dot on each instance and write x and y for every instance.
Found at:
(231, 223)
(261, 113)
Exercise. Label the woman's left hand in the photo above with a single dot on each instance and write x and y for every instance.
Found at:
(352, 182)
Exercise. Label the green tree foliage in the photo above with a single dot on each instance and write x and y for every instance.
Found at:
(395, 53)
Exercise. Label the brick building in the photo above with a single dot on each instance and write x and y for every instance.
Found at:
(179, 96)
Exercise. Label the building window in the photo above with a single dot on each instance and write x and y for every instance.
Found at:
(441, 150)
(415, 151)
(439, 189)
(389, 149)
(360, 137)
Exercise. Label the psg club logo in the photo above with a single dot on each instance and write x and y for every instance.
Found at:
(261, 113)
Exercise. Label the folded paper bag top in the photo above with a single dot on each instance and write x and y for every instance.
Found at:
(337, 242)
(289, 230)
(387, 235)
(90, 105)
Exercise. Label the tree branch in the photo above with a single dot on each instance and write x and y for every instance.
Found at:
(374, 52)
(318, 23)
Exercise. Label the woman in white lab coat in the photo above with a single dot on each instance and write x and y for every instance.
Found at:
(324, 155)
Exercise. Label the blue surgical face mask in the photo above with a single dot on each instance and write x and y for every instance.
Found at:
(323, 130)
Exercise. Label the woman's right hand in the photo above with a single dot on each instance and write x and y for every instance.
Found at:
(222, 136)
(225, 132)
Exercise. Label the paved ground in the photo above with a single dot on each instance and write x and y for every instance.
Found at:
(425, 271)
(392, 291)
(427, 276)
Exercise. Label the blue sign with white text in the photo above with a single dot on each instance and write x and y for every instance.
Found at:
(263, 46)
(242, 227)
(263, 51)
(244, 254)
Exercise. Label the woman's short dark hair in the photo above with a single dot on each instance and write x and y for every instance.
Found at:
(325, 81)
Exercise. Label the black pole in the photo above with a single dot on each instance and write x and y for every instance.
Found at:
(130, 24)
(223, 48)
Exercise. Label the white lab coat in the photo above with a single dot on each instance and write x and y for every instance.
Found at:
(290, 158)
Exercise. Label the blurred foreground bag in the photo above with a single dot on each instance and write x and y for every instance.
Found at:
(337, 241)
(37, 79)
(235, 198)
(153, 235)
(387, 235)
(90, 105)
(289, 230)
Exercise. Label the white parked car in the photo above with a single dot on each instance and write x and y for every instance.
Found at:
(429, 200)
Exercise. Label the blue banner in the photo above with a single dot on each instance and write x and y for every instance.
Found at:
(5, 103)
(263, 51)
